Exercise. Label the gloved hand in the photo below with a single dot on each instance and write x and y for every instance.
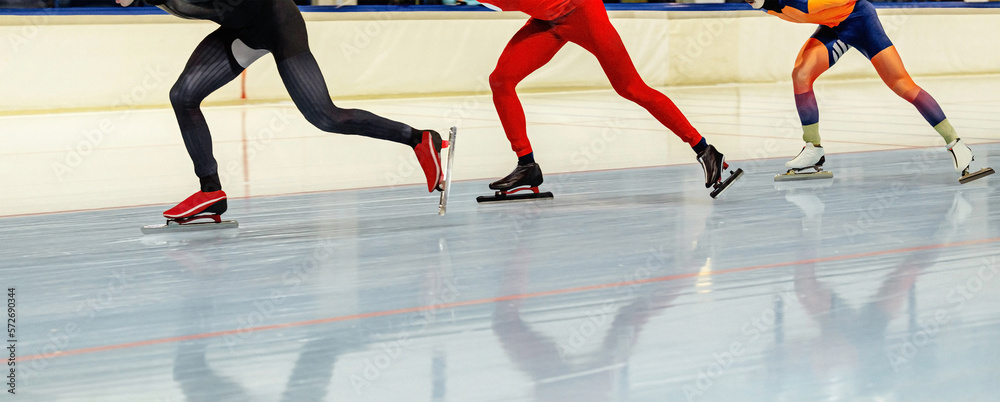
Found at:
(772, 5)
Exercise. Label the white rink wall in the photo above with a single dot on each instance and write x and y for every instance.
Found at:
(53, 63)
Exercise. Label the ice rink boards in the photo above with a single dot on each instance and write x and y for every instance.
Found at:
(631, 285)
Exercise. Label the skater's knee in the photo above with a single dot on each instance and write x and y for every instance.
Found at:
(323, 121)
(183, 95)
(635, 91)
(333, 120)
(803, 77)
(503, 81)
(904, 87)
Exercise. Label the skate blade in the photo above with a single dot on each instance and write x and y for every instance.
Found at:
(514, 197)
(823, 174)
(188, 227)
(722, 187)
(976, 176)
(443, 202)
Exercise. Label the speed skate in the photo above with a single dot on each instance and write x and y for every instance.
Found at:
(520, 185)
(962, 158)
(201, 211)
(811, 157)
(714, 164)
(445, 186)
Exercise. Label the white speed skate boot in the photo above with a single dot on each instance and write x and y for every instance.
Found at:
(962, 157)
(811, 157)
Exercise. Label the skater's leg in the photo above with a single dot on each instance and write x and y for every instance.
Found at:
(530, 48)
(818, 54)
(864, 31)
(305, 84)
(211, 66)
(890, 68)
(284, 34)
(304, 81)
(590, 28)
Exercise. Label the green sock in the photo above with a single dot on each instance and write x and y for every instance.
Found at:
(810, 134)
(947, 131)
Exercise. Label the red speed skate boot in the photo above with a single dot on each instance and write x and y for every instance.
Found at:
(429, 155)
(200, 203)
(199, 207)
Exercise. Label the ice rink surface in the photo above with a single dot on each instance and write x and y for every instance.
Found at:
(882, 284)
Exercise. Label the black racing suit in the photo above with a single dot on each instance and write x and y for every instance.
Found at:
(250, 29)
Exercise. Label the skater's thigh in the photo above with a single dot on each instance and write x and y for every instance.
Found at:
(816, 56)
(284, 30)
(590, 27)
(214, 50)
(211, 66)
(532, 47)
(863, 30)
(834, 46)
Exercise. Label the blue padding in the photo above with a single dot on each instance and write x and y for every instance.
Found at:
(84, 11)
(368, 9)
(356, 9)
(952, 4)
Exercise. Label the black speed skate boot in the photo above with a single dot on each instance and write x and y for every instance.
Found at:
(524, 177)
(714, 164)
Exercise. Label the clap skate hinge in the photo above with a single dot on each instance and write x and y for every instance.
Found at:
(797, 174)
(192, 223)
(517, 190)
(509, 195)
(216, 218)
(817, 169)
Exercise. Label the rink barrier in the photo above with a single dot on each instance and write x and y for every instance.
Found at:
(479, 8)
(114, 58)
